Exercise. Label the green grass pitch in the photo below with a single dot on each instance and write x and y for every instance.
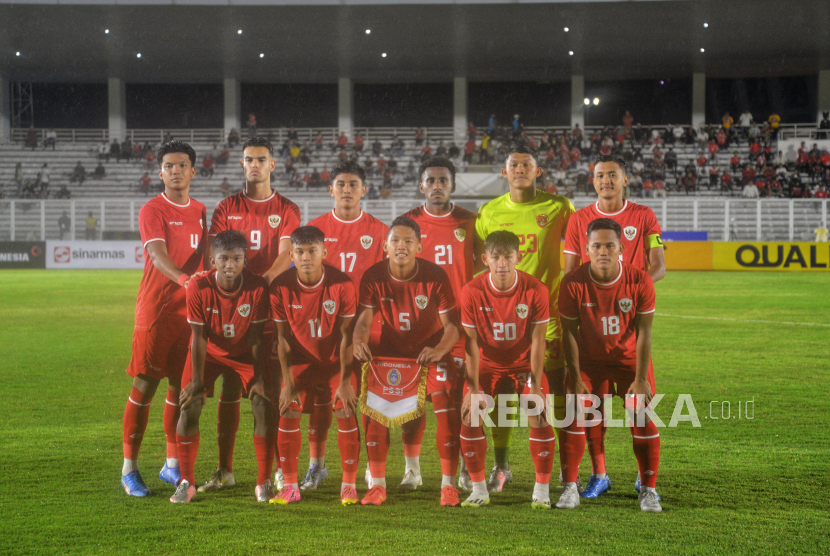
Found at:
(733, 486)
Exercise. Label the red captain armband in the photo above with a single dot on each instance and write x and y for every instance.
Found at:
(182, 279)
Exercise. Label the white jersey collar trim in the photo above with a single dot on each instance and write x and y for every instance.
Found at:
(625, 206)
(417, 270)
(315, 286)
(273, 193)
(346, 221)
(614, 281)
(511, 288)
(452, 209)
(166, 198)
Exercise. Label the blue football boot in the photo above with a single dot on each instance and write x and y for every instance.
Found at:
(170, 475)
(637, 487)
(134, 484)
(596, 486)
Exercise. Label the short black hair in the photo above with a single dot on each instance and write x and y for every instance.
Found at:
(176, 147)
(307, 235)
(348, 167)
(604, 224)
(501, 242)
(437, 162)
(618, 160)
(521, 147)
(229, 240)
(259, 142)
(407, 222)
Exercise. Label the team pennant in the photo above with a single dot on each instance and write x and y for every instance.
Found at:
(394, 390)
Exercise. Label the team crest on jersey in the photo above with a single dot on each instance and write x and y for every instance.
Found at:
(630, 232)
(394, 377)
(460, 234)
(274, 220)
(329, 306)
(244, 310)
(542, 220)
(625, 305)
(421, 301)
(521, 310)
(366, 241)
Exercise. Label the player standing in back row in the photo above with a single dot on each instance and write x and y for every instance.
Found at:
(172, 227)
(267, 220)
(643, 249)
(354, 242)
(540, 220)
(449, 240)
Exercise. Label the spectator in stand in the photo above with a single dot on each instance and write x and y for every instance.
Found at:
(472, 130)
(104, 151)
(64, 224)
(91, 227)
(702, 161)
(225, 188)
(233, 138)
(722, 139)
(358, 142)
(44, 180)
(714, 176)
(735, 161)
(63, 193)
(677, 133)
(31, 138)
(774, 121)
(491, 124)
(251, 124)
(577, 132)
(726, 182)
(100, 172)
(207, 167)
(441, 150)
(749, 191)
(223, 157)
(150, 161)
(775, 188)
(293, 135)
(690, 183)
(648, 186)
(426, 152)
(671, 160)
(744, 121)
(469, 149)
(453, 151)
(145, 183)
(658, 168)
(760, 161)
(126, 150)
(628, 120)
(373, 192)
(294, 150)
(18, 178)
(754, 132)
(325, 175)
(516, 126)
(824, 125)
(381, 164)
(289, 167)
(660, 189)
(115, 150)
(727, 121)
(78, 174)
(50, 139)
(747, 174)
(822, 192)
(377, 147)
(419, 137)
(713, 150)
(761, 184)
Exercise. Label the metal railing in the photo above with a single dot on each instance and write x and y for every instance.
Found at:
(723, 219)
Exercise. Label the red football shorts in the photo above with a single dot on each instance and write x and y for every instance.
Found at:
(616, 379)
(216, 366)
(442, 377)
(316, 385)
(494, 381)
(161, 350)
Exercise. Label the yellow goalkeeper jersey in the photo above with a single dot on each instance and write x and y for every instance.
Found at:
(540, 225)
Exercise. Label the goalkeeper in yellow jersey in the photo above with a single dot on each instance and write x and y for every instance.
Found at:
(540, 220)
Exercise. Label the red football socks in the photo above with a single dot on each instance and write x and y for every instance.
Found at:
(348, 441)
(571, 450)
(187, 450)
(171, 420)
(136, 414)
(377, 445)
(542, 450)
(647, 450)
(595, 437)
(275, 415)
(319, 423)
(290, 441)
(227, 425)
(474, 446)
(264, 449)
(413, 436)
(446, 434)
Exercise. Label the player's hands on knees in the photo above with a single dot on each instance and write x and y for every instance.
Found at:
(362, 352)
(190, 393)
(578, 387)
(258, 389)
(429, 356)
(641, 387)
(288, 395)
(345, 393)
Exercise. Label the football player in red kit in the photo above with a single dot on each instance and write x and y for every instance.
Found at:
(227, 310)
(313, 305)
(172, 227)
(354, 242)
(448, 234)
(415, 299)
(643, 249)
(266, 219)
(505, 314)
(607, 308)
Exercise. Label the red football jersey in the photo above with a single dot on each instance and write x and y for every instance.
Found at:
(410, 309)
(503, 318)
(448, 241)
(352, 246)
(264, 222)
(312, 313)
(182, 229)
(228, 315)
(637, 221)
(606, 312)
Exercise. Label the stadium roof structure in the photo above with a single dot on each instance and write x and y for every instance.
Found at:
(318, 41)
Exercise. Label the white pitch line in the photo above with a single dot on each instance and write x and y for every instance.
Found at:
(745, 320)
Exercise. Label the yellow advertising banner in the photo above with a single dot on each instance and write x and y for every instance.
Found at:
(688, 255)
(783, 256)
